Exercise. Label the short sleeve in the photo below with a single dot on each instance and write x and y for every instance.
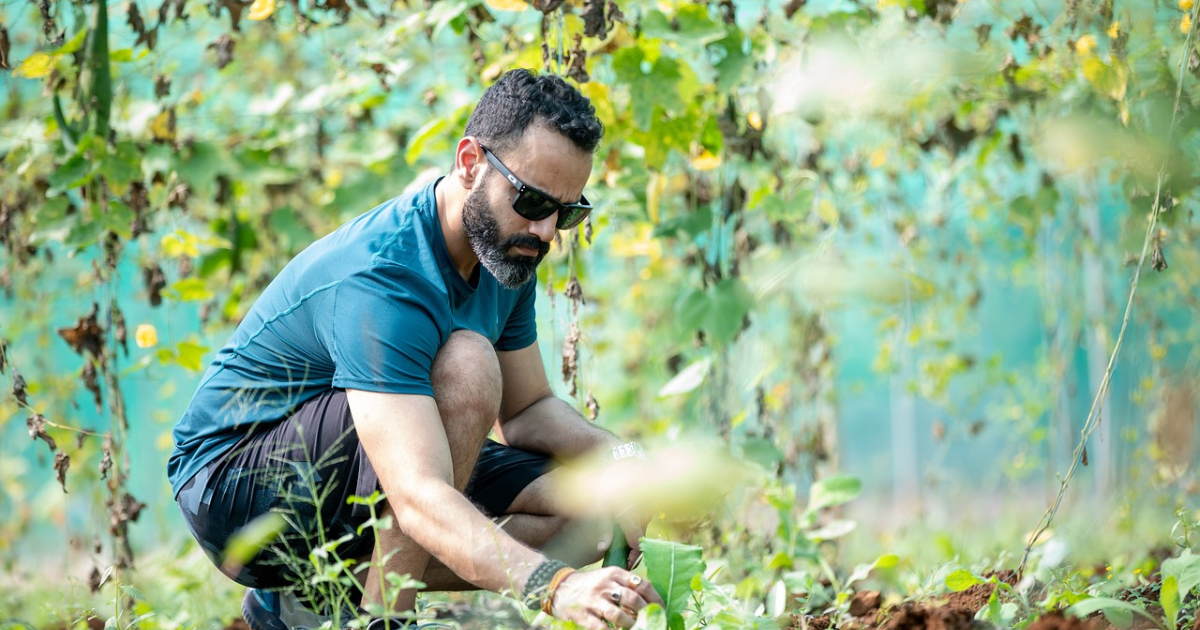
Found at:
(521, 328)
(386, 326)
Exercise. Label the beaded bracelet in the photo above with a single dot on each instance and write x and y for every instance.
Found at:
(548, 600)
(537, 584)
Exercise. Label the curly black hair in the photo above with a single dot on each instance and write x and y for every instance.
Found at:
(521, 98)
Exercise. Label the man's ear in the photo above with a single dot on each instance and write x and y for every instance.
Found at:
(469, 162)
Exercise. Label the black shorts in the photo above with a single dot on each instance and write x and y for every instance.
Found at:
(306, 468)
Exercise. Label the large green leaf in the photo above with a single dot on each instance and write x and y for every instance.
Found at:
(671, 567)
(1118, 612)
(1184, 575)
(833, 490)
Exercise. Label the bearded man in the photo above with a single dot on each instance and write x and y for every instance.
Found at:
(380, 358)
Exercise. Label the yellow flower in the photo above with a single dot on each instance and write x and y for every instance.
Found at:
(1085, 45)
(146, 336)
(1186, 5)
(1114, 31)
(1185, 24)
(755, 121)
(261, 10)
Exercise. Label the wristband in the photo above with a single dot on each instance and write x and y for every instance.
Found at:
(548, 600)
(539, 581)
(628, 450)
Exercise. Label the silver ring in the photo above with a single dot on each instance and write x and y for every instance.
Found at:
(615, 596)
(635, 581)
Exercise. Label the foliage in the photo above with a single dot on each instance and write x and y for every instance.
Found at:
(771, 169)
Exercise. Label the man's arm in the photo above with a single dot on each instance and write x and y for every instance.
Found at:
(405, 440)
(534, 419)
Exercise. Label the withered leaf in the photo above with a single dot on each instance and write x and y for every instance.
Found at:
(546, 6)
(178, 196)
(62, 462)
(86, 335)
(224, 44)
(574, 291)
(37, 430)
(118, 326)
(49, 26)
(155, 282)
(1084, 460)
(94, 580)
(4, 46)
(570, 353)
(92, 383)
(106, 462)
(587, 230)
(138, 25)
(18, 387)
(1157, 260)
(792, 7)
(593, 407)
(3, 354)
(594, 22)
(162, 86)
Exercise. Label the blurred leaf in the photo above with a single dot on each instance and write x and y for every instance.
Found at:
(76, 171)
(688, 378)
(119, 219)
(36, 66)
(425, 136)
(961, 580)
(191, 290)
(833, 490)
(245, 544)
(507, 5)
(1118, 612)
(190, 355)
(1169, 599)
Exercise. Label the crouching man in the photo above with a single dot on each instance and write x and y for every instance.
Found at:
(382, 356)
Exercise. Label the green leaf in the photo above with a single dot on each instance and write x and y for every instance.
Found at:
(249, 540)
(119, 219)
(1169, 599)
(122, 167)
(123, 55)
(1186, 570)
(76, 171)
(652, 617)
(833, 490)
(133, 592)
(73, 44)
(1117, 611)
(424, 138)
(961, 580)
(191, 290)
(190, 355)
(671, 567)
(652, 82)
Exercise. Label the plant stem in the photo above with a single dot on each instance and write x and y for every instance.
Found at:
(1093, 417)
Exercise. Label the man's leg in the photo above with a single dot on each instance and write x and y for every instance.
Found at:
(467, 388)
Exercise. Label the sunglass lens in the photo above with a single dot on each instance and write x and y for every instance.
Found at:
(533, 205)
(571, 216)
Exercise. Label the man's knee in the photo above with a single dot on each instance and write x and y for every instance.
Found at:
(466, 376)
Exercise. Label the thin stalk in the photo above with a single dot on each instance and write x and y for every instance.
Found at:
(1093, 417)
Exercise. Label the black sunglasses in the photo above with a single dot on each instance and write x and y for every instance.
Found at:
(536, 205)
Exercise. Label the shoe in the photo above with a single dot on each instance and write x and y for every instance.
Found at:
(275, 610)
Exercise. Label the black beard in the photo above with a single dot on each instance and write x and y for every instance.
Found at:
(483, 232)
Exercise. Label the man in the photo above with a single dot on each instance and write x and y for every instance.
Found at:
(380, 358)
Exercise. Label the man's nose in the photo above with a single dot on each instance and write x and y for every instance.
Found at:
(545, 228)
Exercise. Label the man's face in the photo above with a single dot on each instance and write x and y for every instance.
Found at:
(509, 246)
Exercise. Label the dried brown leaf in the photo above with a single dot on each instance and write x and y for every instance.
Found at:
(4, 46)
(593, 407)
(106, 462)
(138, 25)
(595, 24)
(224, 44)
(162, 86)
(86, 336)
(3, 354)
(570, 353)
(574, 291)
(118, 326)
(92, 384)
(94, 580)
(62, 462)
(1158, 261)
(37, 430)
(18, 387)
(155, 282)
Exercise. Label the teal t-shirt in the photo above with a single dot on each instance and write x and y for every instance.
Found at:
(366, 307)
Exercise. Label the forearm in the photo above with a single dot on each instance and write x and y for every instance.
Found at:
(443, 522)
(552, 427)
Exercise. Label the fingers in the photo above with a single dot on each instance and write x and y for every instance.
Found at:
(645, 589)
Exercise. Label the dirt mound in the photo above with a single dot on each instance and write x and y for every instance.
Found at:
(865, 603)
(914, 616)
(807, 622)
(1057, 621)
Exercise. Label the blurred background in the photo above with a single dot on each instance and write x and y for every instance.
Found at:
(893, 239)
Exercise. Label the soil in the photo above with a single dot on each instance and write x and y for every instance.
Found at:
(1057, 621)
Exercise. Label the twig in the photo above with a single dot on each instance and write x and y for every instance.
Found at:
(1093, 417)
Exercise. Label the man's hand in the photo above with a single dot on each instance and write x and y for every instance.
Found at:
(594, 599)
